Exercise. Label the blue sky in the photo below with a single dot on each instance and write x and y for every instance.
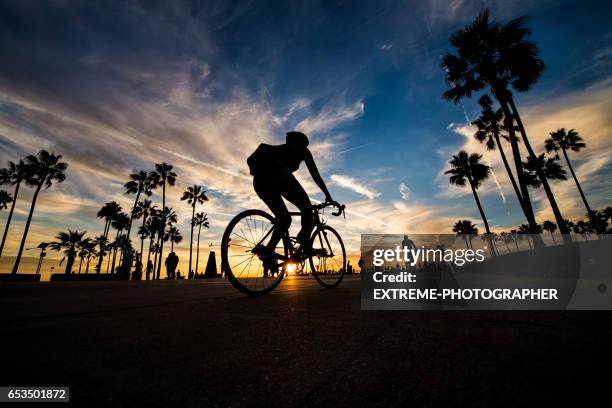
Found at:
(117, 86)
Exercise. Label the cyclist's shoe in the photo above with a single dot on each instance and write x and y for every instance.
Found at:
(270, 266)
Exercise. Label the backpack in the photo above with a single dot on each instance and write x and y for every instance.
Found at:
(260, 155)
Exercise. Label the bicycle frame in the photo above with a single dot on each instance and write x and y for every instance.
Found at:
(317, 224)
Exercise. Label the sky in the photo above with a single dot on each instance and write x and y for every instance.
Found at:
(118, 86)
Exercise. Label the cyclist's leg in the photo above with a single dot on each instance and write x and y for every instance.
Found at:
(294, 193)
(269, 192)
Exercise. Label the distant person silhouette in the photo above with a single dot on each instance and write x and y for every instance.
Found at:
(149, 268)
(137, 274)
(171, 263)
(361, 265)
(272, 168)
(408, 243)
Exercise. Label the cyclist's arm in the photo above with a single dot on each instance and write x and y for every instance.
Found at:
(314, 172)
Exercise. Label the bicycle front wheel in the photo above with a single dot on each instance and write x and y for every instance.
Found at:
(328, 260)
(243, 268)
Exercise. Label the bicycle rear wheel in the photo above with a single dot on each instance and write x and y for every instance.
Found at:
(243, 268)
(328, 260)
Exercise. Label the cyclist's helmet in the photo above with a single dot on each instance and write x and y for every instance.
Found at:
(297, 138)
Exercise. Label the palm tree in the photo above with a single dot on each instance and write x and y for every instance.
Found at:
(550, 227)
(120, 223)
(152, 227)
(564, 141)
(174, 236)
(499, 57)
(161, 176)
(46, 168)
(468, 167)
(583, 228)
(108, 212)
(143, 210)
(608, 213)
(549, 167)
(466, 229)
(598, 221)
(139, 183)
(525, 230)
(194, 195)
(14, 174)
(491, 130)
(98, 242)
(85, 247)
(5, 199)
(69, 242)
(201, 220)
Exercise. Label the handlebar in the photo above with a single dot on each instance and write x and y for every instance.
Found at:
(340, 207)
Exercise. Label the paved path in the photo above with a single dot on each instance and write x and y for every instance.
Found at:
(201, 343)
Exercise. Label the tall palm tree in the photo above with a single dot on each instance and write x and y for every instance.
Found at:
(466, 229)
(496, 58)
(14, 175)
(194, 195)
(108, 212)
(139, 183)
(5, 199)
(120, 223)
(143, 210)
(69, 242)
(174, 236)
(468, 167)
(153, 226)
(160, 177)
(564, 141)
(201, 220)
(46, 168)
(551, 169)
(491, 130)
(550, 227)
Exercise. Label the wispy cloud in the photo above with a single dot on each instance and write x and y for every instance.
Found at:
(354, 185)
(404, 191)
(331, 116)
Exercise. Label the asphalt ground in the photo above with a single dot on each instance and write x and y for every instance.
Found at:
(201, 343)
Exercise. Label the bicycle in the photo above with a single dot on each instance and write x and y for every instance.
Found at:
(242, 260)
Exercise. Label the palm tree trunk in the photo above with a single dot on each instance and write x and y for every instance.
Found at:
(526, 200)
(517, 191)
(80, 264)
(10, 216)
(569, 164)
(144, 219)
(132, 216)
(108, 262)
(191, 238)
(115, 250)
(102, 246)
(482, 215)
(27, 227)
(149, 253)
(161, 248)
(516, 244)
(69, 264)
(87, 266)
(553, 238)
(158, 259)
(553, 203)
(198, 249)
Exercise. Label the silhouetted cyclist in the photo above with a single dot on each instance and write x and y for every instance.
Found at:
(272, 168)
